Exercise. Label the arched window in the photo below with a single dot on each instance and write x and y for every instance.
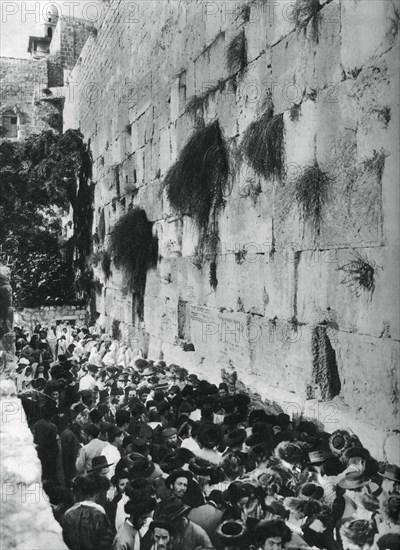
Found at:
(9, 122)
(50, 32)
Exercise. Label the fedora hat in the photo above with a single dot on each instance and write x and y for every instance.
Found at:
(140, 466)
(140, 363)
(149, 371)
(98, 463)
(201, 467)
(209, 435)
(353, 480)
(92, 368)
(317, 457)
(231, 530)
(235, 437)
(193, 379)
(356, 452)
(392, 472)
(311, 490)
(173, 508)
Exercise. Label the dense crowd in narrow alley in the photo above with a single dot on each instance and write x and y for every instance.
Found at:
(138, 454)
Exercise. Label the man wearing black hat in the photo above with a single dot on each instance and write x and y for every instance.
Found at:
(188, 534)
(93, 448)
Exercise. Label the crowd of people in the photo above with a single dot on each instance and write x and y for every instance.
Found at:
(139, 454)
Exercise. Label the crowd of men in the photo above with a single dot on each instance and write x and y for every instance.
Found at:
(141, 455)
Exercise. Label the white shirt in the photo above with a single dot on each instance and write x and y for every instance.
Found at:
(112, 455)
(121, 515)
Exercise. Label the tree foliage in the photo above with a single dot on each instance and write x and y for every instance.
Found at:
(38, 182)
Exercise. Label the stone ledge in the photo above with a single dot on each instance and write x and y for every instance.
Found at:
(27, 519)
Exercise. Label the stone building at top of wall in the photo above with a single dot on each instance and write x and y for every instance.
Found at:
(31, 92)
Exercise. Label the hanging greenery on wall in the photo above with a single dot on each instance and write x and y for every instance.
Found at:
(105, 260)
(101, 227)
(198, 102)
(236, 53)
(135, 251)
(262, 144)
(197, 182)
(305, 11)
(310, 192)
(360, 274)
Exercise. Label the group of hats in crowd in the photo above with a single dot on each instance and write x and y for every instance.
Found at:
(175, 462)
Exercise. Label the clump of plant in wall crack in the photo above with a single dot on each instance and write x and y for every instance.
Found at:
(310, 193)
(251, 190)
(135, 251)
(236, 53)
(262, 144)
(101, 227)
(376, 164)
(305, 11)
(360, 274)
(197, 103)
(213, 275)
(105, 260)
(295, 112)
(196, 185)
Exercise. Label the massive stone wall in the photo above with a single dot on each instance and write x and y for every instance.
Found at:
(27, 520)
(49, 315)
(22, 83)
(281, 314)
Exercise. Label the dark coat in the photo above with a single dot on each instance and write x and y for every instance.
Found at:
(86, 527)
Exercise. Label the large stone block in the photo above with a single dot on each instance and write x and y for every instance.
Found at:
(328, 292)
(292, 69)
(170, 238)
(362, 40)
(368, 370)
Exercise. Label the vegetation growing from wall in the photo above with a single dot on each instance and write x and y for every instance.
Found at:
(135, 251)
(310, 192)
(359, 274)
(105, 260)
(262, 144)
(38, 182)
(305, 11)
(236, 53)
(197, 182)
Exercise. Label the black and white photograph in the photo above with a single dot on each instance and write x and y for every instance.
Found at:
(199, 275)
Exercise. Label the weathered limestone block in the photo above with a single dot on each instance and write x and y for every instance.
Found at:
(227, 111)
(328, 293)
(24, 502)
(190, 281)
(359, 360)
(170, 238)
(360, 40)
(392, 449)
(254, 86)
(256, 29)
(300, 134)
(279, 284)
(190, 236)
(280, 18)
(292, 69)
(327, 68)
